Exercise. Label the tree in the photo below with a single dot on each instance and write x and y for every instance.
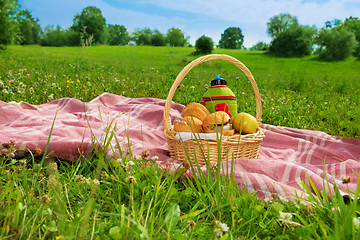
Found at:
(280, 23)
(232, 38)
(142, 36)
(335, 44)
(158, 39)
(352, 24)
(294, 42)
(175, 37)
(335, 23)
(204, 45)
(29, 27)
(8, 25)
(117, 35)
(92, 20)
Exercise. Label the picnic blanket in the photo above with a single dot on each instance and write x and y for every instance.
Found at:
(288, 157)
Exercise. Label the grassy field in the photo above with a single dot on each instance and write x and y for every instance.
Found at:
(45, 198)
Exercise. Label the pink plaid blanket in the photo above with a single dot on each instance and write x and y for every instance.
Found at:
(288, 157)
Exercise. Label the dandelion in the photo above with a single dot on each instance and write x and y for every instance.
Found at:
(131, 179)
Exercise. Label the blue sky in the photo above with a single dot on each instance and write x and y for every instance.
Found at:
(196, 17)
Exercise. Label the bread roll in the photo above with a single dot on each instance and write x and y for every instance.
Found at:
(196, 110)
(188, 124)
(218, 122)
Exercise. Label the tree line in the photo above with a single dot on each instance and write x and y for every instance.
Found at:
(336, 41)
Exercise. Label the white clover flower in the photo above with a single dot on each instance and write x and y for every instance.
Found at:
(356, 223)
(53, 167)
(51, 97)
(155, 158)
(220, 228)
(96, 182)
(269, 199)
(192, 87)
(285, 220)
(20, 91)
(128, 167)
(85, 181)
(223, 227)
(1, 83)
(285, 217)
(5, 91)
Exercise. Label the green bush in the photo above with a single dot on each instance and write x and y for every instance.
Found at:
(294, 42)
(260, 46)
(54, 37)
(335, 44)
(204, 45)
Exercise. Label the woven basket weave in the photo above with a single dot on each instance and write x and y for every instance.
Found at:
(226, 147)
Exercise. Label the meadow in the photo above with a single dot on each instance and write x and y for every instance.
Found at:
(44, 198)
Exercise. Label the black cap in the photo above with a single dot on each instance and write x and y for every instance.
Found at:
(218, 81)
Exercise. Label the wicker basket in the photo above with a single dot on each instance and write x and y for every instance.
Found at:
(228, 147)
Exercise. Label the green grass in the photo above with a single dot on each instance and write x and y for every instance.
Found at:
(44, 198)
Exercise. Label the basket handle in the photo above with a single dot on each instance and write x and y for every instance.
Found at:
(169, 132)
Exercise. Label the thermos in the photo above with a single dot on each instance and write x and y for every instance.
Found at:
(220, 98)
